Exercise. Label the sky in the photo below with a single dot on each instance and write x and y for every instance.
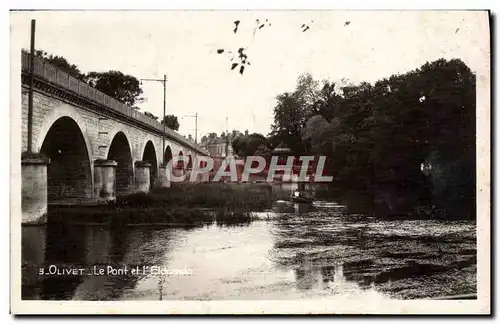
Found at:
(183, 45)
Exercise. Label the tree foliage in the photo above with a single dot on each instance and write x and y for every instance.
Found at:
(172, 122)
(147, 113)
(212, 136)
(123, 87)
(247, 145)
(263, 150)
(238, 58)
(291, 112)
(407, 140)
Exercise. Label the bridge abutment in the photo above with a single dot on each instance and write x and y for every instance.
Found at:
(142, 176)
(34, 188)
(105, 179)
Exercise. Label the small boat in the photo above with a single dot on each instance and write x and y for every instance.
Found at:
(301, 199)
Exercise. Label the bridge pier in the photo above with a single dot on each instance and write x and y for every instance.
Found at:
(34, 188)
(105, 179)
(187, 174)
(163, 177)
(142, 177)
(179, 172)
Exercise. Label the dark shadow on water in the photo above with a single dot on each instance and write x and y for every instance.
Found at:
(60, 246)
(233, 223)
(48, 248)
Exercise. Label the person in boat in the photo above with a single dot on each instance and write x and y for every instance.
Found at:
(300, 196)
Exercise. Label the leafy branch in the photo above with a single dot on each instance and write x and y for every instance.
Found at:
(239, 58)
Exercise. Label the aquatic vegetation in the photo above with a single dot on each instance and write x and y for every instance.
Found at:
(181, 204)
(252, 197)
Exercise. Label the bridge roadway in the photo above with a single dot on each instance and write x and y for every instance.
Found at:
(87, 145)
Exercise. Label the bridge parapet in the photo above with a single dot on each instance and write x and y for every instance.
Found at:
(47, 71)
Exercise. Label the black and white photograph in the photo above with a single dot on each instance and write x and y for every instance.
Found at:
(250, 161)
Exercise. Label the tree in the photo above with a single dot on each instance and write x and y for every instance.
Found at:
(289, 120)
(404, 142)
(235, 133)
(327, 102)
(247, 145)
(147, 113)
(239, 145)
(307, 91)
(171, 122)
(319, 132)
(212, 136)
(263, 150)
(291, 112)
(123, 87)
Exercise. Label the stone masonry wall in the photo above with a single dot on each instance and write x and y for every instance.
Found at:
(98, 130)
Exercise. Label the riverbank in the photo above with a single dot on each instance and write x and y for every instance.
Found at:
(186, 204)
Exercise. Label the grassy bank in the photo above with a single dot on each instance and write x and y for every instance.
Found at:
(233, 196)
(185, 204)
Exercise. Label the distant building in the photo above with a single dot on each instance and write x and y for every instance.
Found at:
(217, 147)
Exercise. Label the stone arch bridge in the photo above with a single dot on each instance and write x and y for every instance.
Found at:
(86, 145)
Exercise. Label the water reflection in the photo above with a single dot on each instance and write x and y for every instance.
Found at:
(302, 208)
(319, 277)
(283, 206)
(33, 257)
(59, 247)
(105, 249)
(316, 252)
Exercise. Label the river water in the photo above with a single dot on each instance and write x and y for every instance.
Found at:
(288, 253)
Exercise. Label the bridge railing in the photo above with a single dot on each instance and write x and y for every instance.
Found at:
(49, 72)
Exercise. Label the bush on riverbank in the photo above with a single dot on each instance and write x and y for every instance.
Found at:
(104, 214)
(181, 204)
(251, 197)
(227, 217)
(161, 215)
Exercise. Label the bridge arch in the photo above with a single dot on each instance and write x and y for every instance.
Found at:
(189, 161)
(149, 155)
(119, 151)
(58, 112)
(150, 140)
(167, 156)
(69, 173)
(180, 163)
(118, 128)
